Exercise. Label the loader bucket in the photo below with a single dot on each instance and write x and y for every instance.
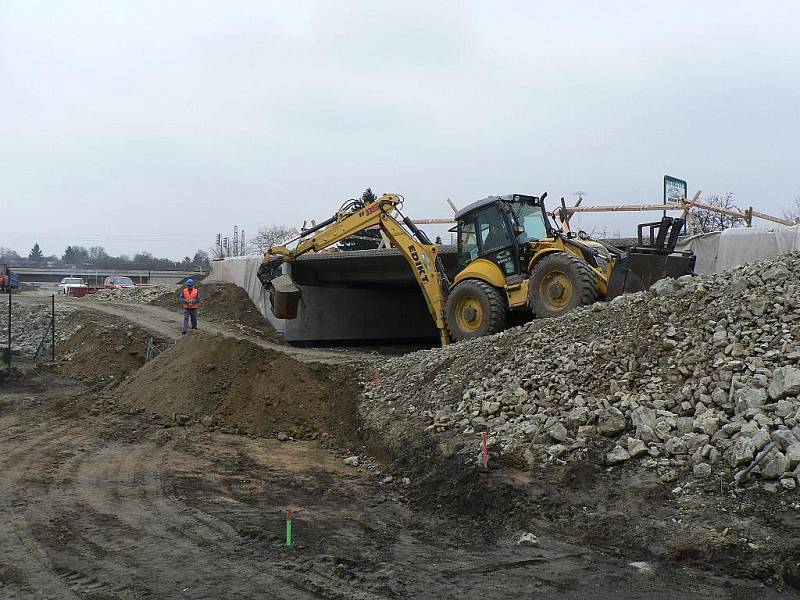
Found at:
(284, 296)
(639, 270)
(652, 259)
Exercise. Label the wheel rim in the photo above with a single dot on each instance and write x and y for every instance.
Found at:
(469, 314)
(556, 290)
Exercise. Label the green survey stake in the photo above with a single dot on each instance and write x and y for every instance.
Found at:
(289, 527)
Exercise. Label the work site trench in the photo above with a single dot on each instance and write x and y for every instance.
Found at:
(128, 474)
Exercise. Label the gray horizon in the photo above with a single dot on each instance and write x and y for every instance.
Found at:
(153, 126)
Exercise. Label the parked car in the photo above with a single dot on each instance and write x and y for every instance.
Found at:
(115, 282)
(71, 283)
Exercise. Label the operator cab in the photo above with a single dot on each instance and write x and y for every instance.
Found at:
(498, 228)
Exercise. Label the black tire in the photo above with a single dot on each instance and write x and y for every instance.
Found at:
(562, 272)
(486, 302)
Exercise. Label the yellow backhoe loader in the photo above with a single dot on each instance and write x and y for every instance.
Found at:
(511, 258)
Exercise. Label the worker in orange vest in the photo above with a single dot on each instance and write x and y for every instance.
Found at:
(190, 296)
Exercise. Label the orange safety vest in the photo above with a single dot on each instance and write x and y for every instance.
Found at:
(189, 296)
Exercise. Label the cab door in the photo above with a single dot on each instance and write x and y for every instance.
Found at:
(496, 241)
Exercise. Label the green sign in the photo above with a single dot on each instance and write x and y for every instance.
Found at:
(675, 189)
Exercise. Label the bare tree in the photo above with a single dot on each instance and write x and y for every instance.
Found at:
(793, 211)
(705, 220)
(270, 236)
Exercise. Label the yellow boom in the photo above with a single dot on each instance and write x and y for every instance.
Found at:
(420, 254)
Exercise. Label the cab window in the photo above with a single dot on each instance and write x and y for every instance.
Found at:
(467, 242)
(492, 229)
(532, 220)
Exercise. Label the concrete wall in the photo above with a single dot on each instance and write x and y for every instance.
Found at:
(336, 312)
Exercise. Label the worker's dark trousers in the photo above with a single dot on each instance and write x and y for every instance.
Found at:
(189, 313)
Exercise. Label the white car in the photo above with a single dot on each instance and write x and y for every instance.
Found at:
(71, 283)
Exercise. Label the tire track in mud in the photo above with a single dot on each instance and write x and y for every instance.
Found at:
(34, 572)
(93, 520)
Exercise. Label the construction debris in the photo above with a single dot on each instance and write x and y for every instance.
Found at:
(698, 375)
(30, 324)
(142, 294)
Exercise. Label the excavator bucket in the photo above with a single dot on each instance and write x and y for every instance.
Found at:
(651, 260)
(284, 295)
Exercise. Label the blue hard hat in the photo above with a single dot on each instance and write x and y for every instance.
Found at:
(190, 282)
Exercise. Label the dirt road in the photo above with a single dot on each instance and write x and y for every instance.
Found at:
(167, 323)
(98, 504)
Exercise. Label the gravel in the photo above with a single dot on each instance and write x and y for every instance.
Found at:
(30, 324)
(697, 376)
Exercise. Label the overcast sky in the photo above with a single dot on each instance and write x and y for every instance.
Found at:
(154, 125)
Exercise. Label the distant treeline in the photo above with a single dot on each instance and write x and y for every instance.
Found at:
(96, 257)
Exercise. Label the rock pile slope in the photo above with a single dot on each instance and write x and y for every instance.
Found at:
(698, 376)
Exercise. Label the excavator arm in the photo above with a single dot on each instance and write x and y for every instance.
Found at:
(412, 243)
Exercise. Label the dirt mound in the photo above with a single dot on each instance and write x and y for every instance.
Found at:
(103, 349)
(237, 384)
(228, 303)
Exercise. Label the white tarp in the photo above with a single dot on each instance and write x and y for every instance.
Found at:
(719, 251)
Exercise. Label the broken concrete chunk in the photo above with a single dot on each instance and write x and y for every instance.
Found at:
(664, 287)
(775, 466)
(749, 397)
(702, 471)
(784, 438)
(610, 421)
(643, 416)
(675, 446)
(577, 417)
(558, 432)
(785, 382)
(793, 455)
(617, 455)
(636, 447)
(741, 452)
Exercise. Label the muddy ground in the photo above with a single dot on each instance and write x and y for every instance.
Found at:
(99, 503)
(109, 492)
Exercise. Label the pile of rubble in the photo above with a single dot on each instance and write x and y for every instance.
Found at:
(697, 376)
(30, 325)
(141, 293)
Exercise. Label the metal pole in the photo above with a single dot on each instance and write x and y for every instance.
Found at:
(8, 355)
(53, 332)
